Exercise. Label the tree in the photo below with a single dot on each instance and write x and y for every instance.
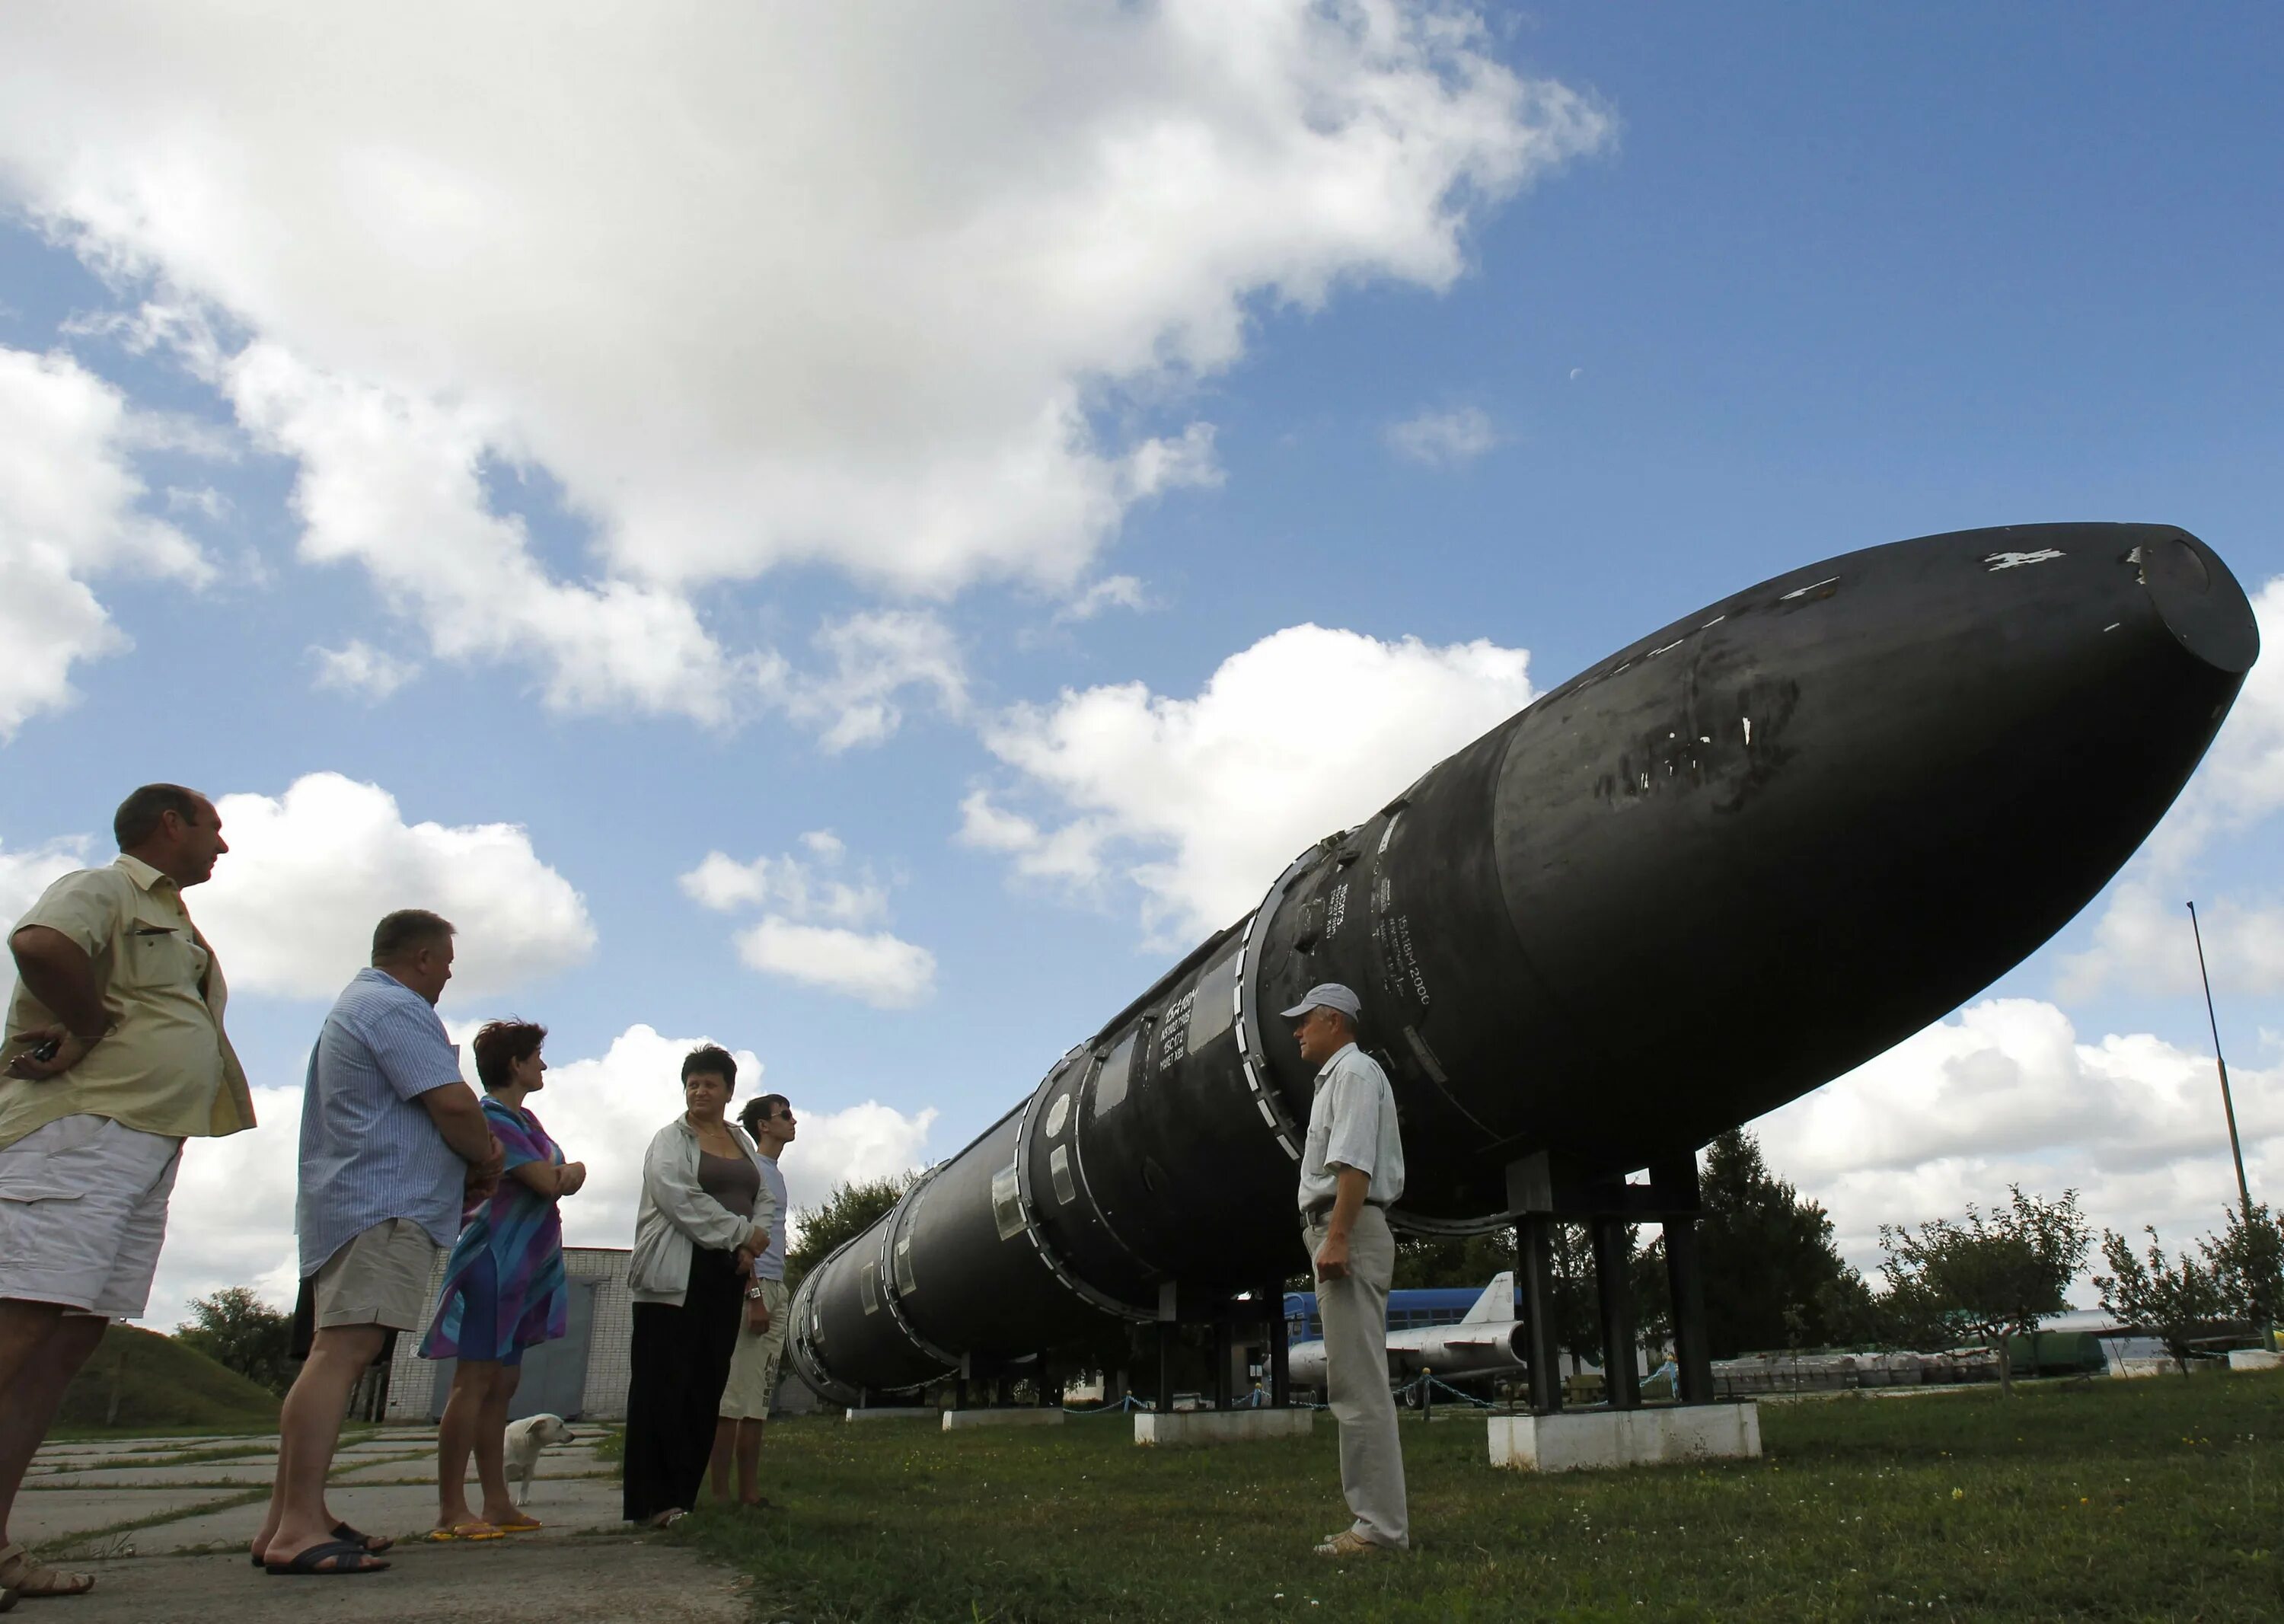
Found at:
(240, 1332)
(2178, 1302)
(1766, 1251)
(1993, 1276)
(1424, 1261)
(2247, 1259)
(852, 1208)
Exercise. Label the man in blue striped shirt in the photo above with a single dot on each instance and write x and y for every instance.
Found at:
(392, 1141)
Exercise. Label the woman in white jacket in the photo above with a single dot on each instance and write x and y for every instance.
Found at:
(705, 1214)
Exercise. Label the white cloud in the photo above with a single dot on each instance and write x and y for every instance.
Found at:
(1111, 592)
(885, 971)
(788, 885)
(2006, 1092)
(1199, 802)
(232, 1221)
(357, 667)
(291, 908)
(871, 659)
(395, 483)
(24, 874)
(69, 510)
(203, 500)
(1443, 439)
(864, 285)
(2143, 934)
(810, 929)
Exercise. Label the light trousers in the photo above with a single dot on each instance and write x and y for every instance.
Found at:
(1354, 1310)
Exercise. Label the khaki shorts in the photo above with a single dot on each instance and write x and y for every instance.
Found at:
(82, 1214)
(754, 1366)
(380, 1278)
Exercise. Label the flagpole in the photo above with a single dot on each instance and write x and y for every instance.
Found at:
(2228, 1104)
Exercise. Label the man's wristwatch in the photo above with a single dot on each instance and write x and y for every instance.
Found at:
(753, 1293)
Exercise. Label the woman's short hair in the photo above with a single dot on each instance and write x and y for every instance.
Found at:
(714, 1060)
(759, 1110)
(501, 1045)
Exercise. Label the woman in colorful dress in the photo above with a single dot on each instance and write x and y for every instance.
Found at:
(504, 1288)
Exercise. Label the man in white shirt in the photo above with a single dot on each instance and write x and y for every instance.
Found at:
(1351, 1170)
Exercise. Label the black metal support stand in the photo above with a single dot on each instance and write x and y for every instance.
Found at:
(1613, 1258)
(1535, 1261)
(1542, 1191)
(1685, 1276)
(1225, 1346)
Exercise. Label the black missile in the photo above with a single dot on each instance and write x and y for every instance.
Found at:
(1707, 875)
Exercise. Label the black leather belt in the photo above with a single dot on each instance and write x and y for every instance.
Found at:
(1319, 1210)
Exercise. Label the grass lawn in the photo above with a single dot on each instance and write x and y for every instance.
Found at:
(2156, 1500)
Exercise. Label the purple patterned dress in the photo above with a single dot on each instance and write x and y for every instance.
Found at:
(504, 1288)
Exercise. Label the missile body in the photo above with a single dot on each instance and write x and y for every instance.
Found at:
(1710, 873)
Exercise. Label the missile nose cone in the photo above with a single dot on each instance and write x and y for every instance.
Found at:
(2200, 601)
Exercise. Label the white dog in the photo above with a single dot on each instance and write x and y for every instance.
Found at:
(525, 1440)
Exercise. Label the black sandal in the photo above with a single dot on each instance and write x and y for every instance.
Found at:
(342, 1531)
(305, 1564)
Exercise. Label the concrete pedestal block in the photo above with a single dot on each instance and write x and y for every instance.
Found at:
(2253, 1359)
(895, 1412)
(959, 1420)
(1188, 1426)
(1586, 1440)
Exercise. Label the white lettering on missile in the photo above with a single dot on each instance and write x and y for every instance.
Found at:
(2015, 560)
(1336, 911)
(1711, 624)
(1676, 643)
(1748, 730)
(2113, 626)
(1810, 587)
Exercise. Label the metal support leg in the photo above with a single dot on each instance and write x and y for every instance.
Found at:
(1280, 1351)
(1535, 1258)
(1224, 1389)
(1004, 1394)
(1612, 1259)
(1685, 1274)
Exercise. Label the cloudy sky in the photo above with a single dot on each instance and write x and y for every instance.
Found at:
(805, 528)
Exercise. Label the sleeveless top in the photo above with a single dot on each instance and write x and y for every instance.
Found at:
(730, 1180)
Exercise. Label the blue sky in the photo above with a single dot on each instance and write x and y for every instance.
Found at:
(958, 438)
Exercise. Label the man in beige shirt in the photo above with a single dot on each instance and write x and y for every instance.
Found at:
(113, 1055)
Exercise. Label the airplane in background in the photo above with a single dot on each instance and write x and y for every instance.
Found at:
(1487, 1340)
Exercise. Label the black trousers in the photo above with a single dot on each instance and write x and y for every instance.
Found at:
(680, 1363)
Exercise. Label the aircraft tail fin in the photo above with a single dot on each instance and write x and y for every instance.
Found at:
(1497, 1303)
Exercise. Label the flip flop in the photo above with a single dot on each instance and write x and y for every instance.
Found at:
(373, 1543)
(339, 1551)
(462, 1531)
(519, 1524)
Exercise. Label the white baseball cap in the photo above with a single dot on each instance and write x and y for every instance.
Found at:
(1327, 995)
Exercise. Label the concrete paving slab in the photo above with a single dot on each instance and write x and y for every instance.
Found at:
(404, 1511)
(156, 1477)
(583, 1581)
(423, 1468)
(56, 1514)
